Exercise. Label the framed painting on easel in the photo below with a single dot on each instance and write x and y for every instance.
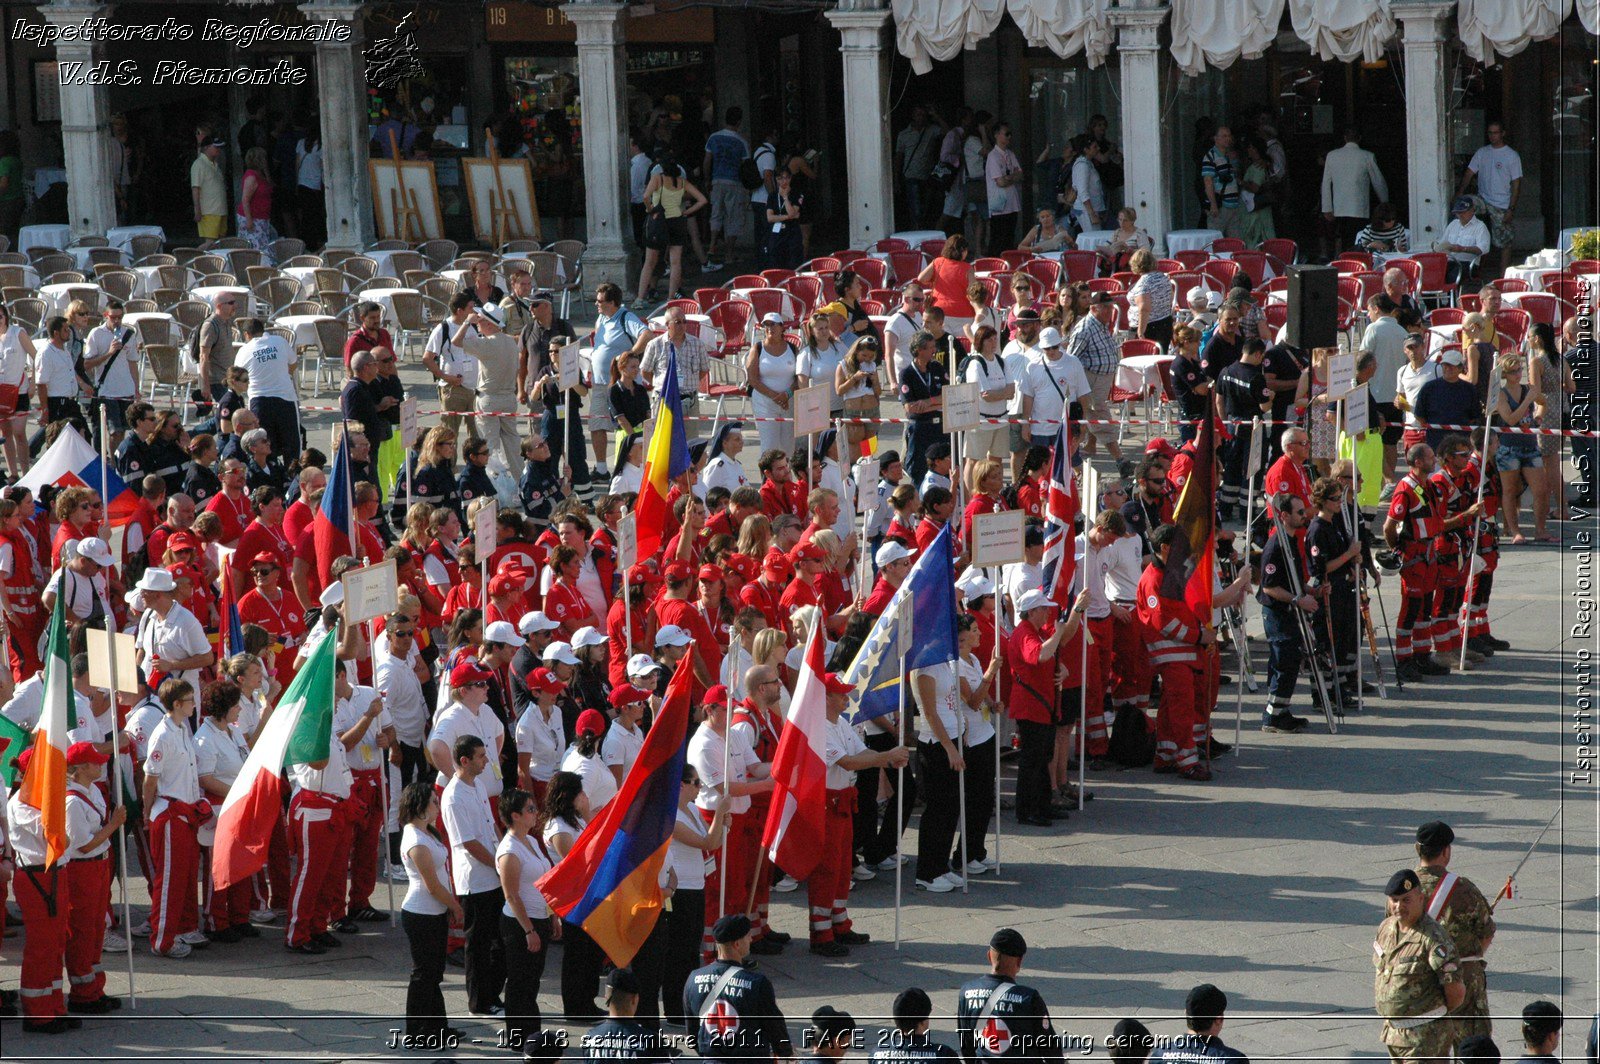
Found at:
(405, 200)
(500, 195)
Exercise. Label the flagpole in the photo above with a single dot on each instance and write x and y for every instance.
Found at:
(1477, 522)
(1252, 466)
(1092, 482)
(961, 795)
(900, 808)
(116, 731)
(627, 611)
(994, 713)
(1355, 532)
(722, 858)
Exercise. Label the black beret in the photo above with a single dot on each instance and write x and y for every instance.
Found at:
(829, 1021)
(622, 980)
(1402, 882)
(1540, 1019)
(1008, 943)
(1205, 1000)
(731, 928)
(1130, 1033)
(1480, 1049)
(1435, 835)
(911, 1005)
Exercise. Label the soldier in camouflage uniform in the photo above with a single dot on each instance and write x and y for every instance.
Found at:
(1418, 979)
(1463, 912)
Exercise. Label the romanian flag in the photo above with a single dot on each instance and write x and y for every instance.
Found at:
(1191, 565)
(666, 459)
(610, 882)
(333, 522)
(45, 787)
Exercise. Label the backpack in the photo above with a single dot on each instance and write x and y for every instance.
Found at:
(1133, 740)
(750, 174)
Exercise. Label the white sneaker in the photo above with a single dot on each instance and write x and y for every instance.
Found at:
(943, 885)
(888, 864)
(863, 872)
(494, 1012)
(196, 939)
(977, 868)
(142, 931)
(179, 950)
(397, 874)
(263, 916)
(114, 942)
(991, 862)
(786, 885)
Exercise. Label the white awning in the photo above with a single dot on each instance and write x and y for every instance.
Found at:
(1505, 27)
(1216, 33)
(1346, 30)
(925, 30)
(1066, 27)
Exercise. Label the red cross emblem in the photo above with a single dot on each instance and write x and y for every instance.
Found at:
(721, 1021)
(996, 1036)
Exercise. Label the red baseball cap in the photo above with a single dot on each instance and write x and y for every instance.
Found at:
(717, 696)
(808, 552)
(542, 679)
(836, 685)
(468, 672)
(182, 541)
(84, 754)
(711, 572)
(190, 573)
(627, 694)
(777, 563)
(678, 572)
(23, 759)
(266, 557)
(643, 574)
(1160, 446)
(508, 582)
(591, 722)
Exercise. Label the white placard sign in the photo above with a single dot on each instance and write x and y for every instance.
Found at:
(905, 638)
(961, 407)
(1258, 446)
(409, 428)
(628, 541)
(1341, 373)
(484, 539)
(1355, 412)
(570, 367)
(371, 591)
(997, 539)
(811, 413)
(100, 649)
(867, 473)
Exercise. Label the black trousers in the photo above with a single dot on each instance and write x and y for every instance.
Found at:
(581, 961)
(941, 810)
(649, 966)
(1002, 232)
(685, 927)
(486, 960)
(980, 802)
(1038, 745)
(281, 420)
(1340, 606)
(524, 969)
(921, 434)
(425, 1015)
(878, 833)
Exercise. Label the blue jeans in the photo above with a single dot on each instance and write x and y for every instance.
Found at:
(1284, 651)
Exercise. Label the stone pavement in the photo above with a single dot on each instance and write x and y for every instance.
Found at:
(1266, 882)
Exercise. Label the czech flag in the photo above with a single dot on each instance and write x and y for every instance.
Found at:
(610, 882)
(666, 459)
(71, 463)
(332, 523)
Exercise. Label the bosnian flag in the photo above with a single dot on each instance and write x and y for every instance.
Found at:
(300, 732)
(71, 463)
(332, 523)
(45, 787)
(795, 827)
(1060, 511)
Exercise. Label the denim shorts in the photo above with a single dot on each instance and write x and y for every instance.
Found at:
(1510, 459)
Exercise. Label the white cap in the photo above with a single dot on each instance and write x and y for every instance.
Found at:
(1213, 299)
(892, 551)
(333, 594)
(1032, 600)
(536, 621)
(640, 664)
(1450, 356)
(1050, 337)
(156, 580)
(772, 317)
(672, 636)
(562, 652)
(95, 550)
(588, 636)
(974, 585)
(502, 632)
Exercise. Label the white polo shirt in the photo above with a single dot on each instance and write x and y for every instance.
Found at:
(705, 754)
(467, 818)
(174, 762)
(456, 721)
(177, 635)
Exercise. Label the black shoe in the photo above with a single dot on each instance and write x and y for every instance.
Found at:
(367, 915)
(1058, 811)
(246, 930)
(1167, 769)
(1282, 722)
(1429, 667)
(326, 940)
(1496, 644)
(1036, 821)
(456, 958)
(851, 938)
(57, 1025)
(98, 1007)
(765, 947)
(1101, 764)
(1477, 645)
(310, 945)
(1218, 747)
(782, 938)
(830, 949)
(345, 926)
(227, 934)
(1407, 672)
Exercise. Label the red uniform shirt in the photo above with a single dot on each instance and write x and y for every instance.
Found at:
(256, 538)
(878, 598)
(297, 518)
(235, 514)
(786, 498)
(766, 599)
(1171, 630)
(463, 596)
(798, 594)
(1033, 674)
(979, 504)
(686, 616)
(616, 630)
(566, 606)
(1419, 514)
(1287, 475)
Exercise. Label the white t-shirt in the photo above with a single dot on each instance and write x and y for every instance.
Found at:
(722, 472)
(118, 382)
(1408, 382)
(452, 360)
(979, 730)
(690, 863)
(1017, 578)
(766, 159)
(467, 818)
(333, 780)
(403, 699)
(366, 755)
(177, 635)
(1496, 169)
(621, 746)
(1051, 385)
(541, 739)
(598, 782)
(13, 359)
(705, 754)
(418, 898)
(270, 361)
(80, 593)
(54, 373)
(1017, 356)
(944, 701)
(840, 740)
(989, 374)
(535, 860)
(818, 366)
(86, 815)
(173, 760)
(902, 327)
(1123, 564)
(456, 721)
(219, 751)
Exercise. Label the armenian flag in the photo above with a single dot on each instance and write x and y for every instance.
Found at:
(610, 882)
(666, 459)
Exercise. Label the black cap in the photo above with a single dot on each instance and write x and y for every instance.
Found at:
(1130, 1040)
(1435, 835)
(623, 981)
(1205, 1003)
(1540, 1020)
(1008, 943)
(1026, 314)
(830, 1023)
(731, 928)
(911, 1007)
(1479, 1049)
(1402, 882)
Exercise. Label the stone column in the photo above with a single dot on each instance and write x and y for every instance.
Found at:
(867, 144)
(1147, 188)
(1429, 180)
(86, 142)
(602, 62)
(342, 105)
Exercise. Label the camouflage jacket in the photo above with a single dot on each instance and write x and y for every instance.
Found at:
(1413, 967)
(1465, 913)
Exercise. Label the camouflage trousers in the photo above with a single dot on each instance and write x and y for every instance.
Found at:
(1472, 1018)
(1433, 1041)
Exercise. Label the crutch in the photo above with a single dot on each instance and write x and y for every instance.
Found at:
(1307, 640)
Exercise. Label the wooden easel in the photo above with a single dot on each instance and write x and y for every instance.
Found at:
(403, 201)
(502, 213)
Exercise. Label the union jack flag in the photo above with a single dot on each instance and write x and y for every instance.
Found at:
(1060, 511)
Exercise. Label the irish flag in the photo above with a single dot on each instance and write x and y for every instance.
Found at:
(299, 732)
(795, 827)
(46, 785)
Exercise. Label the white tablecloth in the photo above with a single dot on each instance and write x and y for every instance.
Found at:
(1094, 239)
(56, 299)
(43, 236)
(206, 293)
(460, 278)
(384, 297)
(699, 325)
(154, 315)
(304, 326)
(385, 261)
(82, 262)
(44, 177)
(1440, 336)
(122, 236)
(1191, 239)
(1141, 373)
(792, 312)
(30, 276)
(915, 237)
(149, 280)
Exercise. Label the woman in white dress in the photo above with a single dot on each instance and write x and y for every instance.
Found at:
(769, 370)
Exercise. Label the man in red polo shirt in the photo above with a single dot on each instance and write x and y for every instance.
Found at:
(823, 507)
(674, 608)
(1288, 473)
(766, 591)
(808, 559)
(894, 565)
(743, 503)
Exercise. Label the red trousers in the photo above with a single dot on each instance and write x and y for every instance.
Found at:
(319, 833)
(1450, 589)
(1097, 683)
(224, 908)
(175, 882)
(1413, 629)
(736, 870)
(42, 897)
(828, 886)
(1179, 722)
(88, 896)
(366, 817)
(22, 643)
(1130, 663)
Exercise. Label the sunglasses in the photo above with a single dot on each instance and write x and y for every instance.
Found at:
(477, 683)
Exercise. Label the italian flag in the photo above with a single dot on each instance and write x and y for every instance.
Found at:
(45, 787)
(299, 732)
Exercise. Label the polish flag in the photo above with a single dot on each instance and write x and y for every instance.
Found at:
(795, 828)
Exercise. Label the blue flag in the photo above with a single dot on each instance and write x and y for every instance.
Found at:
(876, 670)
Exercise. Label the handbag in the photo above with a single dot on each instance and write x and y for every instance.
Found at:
(10, 394)
(655, 226)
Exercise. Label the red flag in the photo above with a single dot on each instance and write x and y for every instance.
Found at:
(1191, 565)
(795, 828)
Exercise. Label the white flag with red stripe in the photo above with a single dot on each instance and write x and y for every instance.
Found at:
(796, 823)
